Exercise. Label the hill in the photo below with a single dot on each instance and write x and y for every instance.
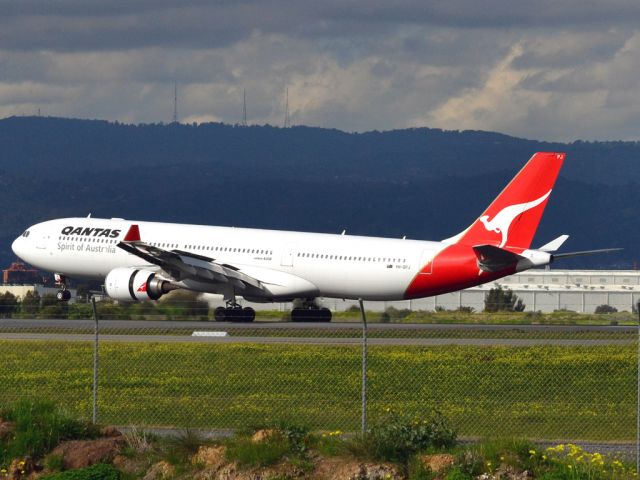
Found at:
(423, 183)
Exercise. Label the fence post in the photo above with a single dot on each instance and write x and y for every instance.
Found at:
(95, 362)
(364, 367)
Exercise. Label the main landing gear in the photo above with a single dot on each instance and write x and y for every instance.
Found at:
(310, 312)
(234, 313)
(63, 295)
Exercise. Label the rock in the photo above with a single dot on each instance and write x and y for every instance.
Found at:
(486, 476)
(352, 470)
(211, 457)
(262, 435)
(507, 472)
(437, 463)
(160, 471)
(227, 472)
(83, 453)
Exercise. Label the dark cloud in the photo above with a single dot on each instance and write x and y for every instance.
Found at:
(97, 25)
(544, 69)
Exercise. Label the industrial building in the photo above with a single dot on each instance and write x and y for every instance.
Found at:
(540, 290)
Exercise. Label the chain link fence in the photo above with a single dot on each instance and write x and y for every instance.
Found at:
(544, 382)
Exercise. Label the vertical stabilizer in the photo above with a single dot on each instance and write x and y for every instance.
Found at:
(512, 218)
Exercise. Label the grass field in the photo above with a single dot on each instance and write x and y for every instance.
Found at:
(577, 393)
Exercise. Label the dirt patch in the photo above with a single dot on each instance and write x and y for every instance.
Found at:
(211, 457)
(262, 435)
(348, 469)
(83, 453)
(437, 463)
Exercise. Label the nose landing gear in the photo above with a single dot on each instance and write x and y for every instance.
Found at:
(63, 295)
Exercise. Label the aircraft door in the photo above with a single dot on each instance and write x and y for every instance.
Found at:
(287, 255)
(426, 262)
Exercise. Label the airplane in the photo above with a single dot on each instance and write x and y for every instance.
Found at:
(146, 260)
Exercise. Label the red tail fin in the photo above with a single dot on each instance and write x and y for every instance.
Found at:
(513, 217)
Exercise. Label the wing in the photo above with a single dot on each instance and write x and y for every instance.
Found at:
(181, 265)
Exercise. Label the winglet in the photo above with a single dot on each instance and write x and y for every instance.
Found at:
(554, 245)
(133, 235)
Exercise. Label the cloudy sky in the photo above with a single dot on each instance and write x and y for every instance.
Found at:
(543, 69)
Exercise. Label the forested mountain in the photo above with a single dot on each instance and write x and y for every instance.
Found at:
(423, 183)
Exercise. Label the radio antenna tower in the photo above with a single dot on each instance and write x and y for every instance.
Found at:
(175, 102)
(287, 120)
(244, 107)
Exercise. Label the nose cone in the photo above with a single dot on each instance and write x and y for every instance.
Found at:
(18, 247)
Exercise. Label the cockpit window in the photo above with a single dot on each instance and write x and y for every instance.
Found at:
(26, 233)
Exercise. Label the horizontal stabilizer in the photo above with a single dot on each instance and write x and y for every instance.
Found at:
(585, 252)
(494, 259)
(554, 245)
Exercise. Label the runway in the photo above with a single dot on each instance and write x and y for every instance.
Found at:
(316, 333)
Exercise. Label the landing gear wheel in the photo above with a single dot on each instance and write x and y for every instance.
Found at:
(248, 314)
(63, 295)
(311, 315)
(234, 314)
(219, 314)
(325, 314)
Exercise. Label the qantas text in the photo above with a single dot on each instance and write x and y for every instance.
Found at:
(91, 232)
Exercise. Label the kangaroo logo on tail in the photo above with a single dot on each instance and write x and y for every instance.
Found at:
(502, 221)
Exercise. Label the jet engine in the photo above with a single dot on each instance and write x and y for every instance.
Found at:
(127, 284)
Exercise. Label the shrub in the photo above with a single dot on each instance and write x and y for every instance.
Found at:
(395, 314)
(606, 309)
(100, 471)
(297, 436)
(396, 437)
(183, 446)
(499, 300)
(571, 461)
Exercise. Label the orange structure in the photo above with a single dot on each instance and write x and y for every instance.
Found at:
(19, 273)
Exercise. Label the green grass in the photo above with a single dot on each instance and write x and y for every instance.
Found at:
(38, 427)
(579, 393)
(99, 471)
(247, 453)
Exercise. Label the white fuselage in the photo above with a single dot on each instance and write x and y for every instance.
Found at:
(340, 266)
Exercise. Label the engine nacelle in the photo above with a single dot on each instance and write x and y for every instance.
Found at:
(127, 284)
